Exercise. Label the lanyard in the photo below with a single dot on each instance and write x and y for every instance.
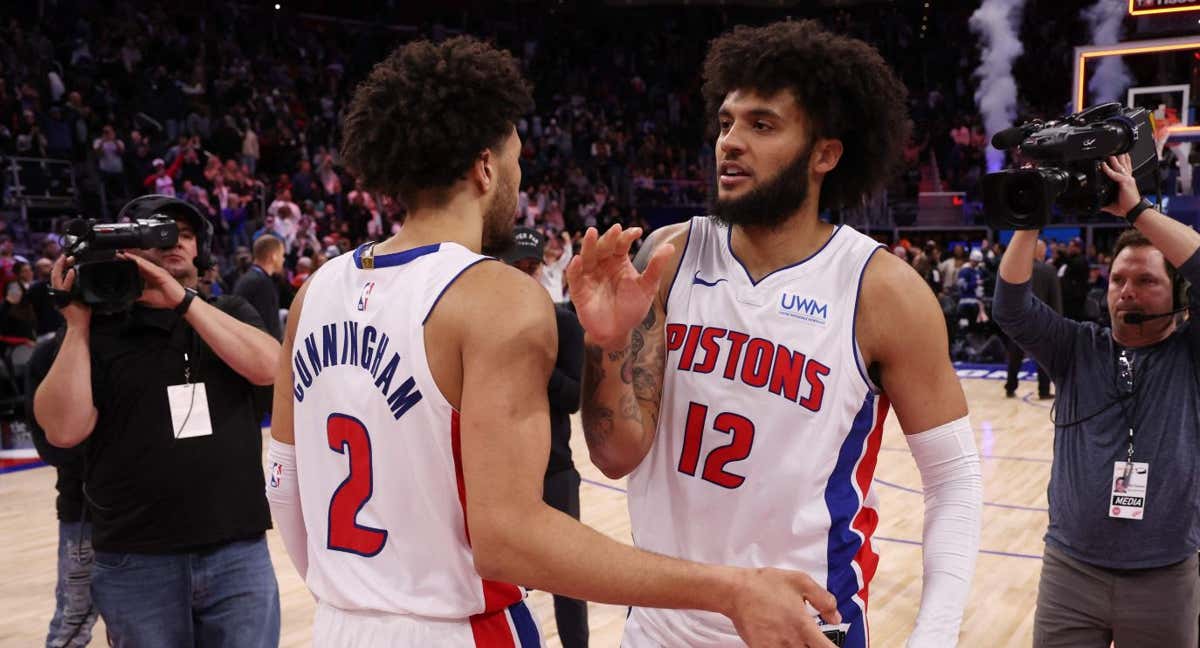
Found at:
(1126, 385)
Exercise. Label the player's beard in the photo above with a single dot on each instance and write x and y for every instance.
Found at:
(770, 204)
(500, 216)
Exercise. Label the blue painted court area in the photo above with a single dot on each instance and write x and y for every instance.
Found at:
(994, 371)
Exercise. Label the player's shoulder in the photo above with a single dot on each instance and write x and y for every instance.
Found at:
(896, 308)
(889, 279)
(675, 235)
(500, 296)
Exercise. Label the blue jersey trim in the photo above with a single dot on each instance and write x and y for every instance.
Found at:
(395, 258)
(447, 287)
(527, 631)
(729, 244)
(844, 542)
(686, 243)
(858, 359)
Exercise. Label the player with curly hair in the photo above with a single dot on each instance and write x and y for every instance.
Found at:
(739, 371)
(411, 422)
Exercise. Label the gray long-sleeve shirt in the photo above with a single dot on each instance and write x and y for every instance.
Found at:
(1164, 411)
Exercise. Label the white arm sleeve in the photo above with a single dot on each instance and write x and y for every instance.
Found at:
(283, 495)
(953, 487)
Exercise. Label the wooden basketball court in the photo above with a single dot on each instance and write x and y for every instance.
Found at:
(1014, 438)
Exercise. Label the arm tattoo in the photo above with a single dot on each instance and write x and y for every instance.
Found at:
(631, 409)
(597, 425)
(641, 366)
(636, 344)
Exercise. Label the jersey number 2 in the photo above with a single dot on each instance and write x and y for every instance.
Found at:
(347, 435)
(714, 465)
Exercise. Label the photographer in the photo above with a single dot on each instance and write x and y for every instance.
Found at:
(1120, 562)
(173, 479)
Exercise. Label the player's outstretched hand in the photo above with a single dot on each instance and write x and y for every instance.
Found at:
(769, 609)
(610, 295)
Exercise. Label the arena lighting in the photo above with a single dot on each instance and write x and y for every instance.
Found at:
(1085, 54)
(1191, 6)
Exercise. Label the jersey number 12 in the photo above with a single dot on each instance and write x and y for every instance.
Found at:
(737, 449)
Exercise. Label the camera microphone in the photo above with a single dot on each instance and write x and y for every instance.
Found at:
(1138, 318)
(1010, 137)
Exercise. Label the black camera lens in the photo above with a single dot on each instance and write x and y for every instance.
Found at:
(1022, 199)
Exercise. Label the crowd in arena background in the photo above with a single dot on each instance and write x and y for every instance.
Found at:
(237, 110)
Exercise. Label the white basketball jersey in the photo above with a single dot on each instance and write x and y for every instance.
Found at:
(769, 429)
(377, 444)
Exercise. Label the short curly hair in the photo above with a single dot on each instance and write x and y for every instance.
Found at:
(421, 117)
(842, 84)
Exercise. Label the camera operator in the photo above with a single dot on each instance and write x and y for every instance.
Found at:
(173, 479)
(1120, 562)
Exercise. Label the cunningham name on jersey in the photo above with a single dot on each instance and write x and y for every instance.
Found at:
(341, 344)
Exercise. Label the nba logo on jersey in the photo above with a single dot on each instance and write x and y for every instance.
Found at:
(276, 474)
(366, 292)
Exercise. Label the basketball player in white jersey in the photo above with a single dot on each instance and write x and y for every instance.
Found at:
(411, 423)
(747, 407)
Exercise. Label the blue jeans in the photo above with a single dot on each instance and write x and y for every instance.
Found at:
(223, 597)
(74, 614)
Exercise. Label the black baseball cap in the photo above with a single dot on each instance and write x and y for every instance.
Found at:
(147, 206)
(528, 243)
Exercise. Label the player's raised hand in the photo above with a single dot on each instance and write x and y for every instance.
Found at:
(610, 295)
(769, 609)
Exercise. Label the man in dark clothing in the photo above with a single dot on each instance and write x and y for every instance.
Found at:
(1073, 276)
(1120, 563)
(163, 395)
(257, 285)
(1047, 289)
(561, 486)
(74, 612)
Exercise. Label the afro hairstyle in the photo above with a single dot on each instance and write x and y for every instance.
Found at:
(422, 116)
(842, 85)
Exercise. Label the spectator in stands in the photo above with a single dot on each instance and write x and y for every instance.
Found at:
(162, 181)
(303, 242)
(242, 260)
(304, 183)
(970, 291)
(556, 257)
(109, 153)
(250, 150)
(8, 260)
(304, 267)
(949, 269)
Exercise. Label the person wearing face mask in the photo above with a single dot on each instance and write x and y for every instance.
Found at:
(1120, 562)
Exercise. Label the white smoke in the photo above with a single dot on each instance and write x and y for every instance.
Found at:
(1112, 77)
(996, 22)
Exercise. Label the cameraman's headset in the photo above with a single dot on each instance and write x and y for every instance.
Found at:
(169, 207)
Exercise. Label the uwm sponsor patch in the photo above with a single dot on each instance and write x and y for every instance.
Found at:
(803, 308)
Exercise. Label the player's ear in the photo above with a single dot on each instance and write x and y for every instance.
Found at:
(483, 171)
